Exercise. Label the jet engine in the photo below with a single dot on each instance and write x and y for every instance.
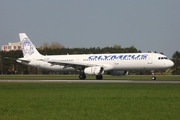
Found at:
(95, 70)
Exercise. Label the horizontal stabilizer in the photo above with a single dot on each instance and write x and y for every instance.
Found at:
(10, 58)
(23, 60)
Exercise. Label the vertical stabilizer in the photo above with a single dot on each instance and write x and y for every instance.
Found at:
(29, 50)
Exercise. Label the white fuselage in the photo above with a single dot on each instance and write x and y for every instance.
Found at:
(92, 64)
(115, 61)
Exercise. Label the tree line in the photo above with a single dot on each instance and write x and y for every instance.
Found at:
(10, 66)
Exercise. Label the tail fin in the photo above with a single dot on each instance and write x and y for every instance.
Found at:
(29, 50)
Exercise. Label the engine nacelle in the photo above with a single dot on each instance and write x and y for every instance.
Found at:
(117, 73)
(95, 70)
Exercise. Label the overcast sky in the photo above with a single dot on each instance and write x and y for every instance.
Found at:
(149, 25)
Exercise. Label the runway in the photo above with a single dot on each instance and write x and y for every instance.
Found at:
(96, 81)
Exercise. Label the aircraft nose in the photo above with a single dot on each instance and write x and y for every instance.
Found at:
(171, 63)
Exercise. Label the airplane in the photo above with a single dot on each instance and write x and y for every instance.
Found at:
(92, 64)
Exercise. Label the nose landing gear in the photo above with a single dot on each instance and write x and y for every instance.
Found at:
(153, 76)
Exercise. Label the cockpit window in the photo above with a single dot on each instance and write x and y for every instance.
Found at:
(162, 58)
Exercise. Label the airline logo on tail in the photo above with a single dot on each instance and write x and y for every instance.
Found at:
(27, 47)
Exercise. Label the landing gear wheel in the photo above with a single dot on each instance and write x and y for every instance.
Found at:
(82, 76)
(153, 78)
(99, 77)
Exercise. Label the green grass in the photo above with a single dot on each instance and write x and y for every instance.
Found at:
(75, 77)
(78, 101)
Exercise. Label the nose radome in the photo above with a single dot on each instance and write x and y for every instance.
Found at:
(171, 63)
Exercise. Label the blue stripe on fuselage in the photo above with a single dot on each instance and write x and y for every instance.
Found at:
(126, 56)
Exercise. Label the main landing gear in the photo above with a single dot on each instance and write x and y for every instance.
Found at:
(82, 76)
(99, 77)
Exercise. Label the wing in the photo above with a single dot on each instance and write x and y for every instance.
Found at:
(79, 65)
(76, 65)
